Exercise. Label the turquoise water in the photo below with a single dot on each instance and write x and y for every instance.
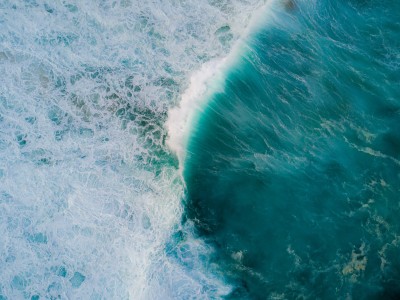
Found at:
(293, 170)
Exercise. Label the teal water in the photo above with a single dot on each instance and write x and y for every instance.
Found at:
(293, 170)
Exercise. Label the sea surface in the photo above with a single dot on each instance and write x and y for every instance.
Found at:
(199, 149)
(293, 166)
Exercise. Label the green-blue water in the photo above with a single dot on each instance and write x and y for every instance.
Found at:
(293, 171)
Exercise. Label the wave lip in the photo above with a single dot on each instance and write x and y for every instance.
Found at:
(209, 79)
(181, 117)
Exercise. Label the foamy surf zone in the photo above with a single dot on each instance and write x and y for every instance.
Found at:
(90, 195)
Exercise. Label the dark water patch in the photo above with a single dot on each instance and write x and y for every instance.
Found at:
(293, 171)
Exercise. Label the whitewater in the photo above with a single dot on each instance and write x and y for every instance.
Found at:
(90, 192)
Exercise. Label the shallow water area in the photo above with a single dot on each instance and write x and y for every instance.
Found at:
(293, 168)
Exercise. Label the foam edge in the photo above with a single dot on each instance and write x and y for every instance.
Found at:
(203, 83)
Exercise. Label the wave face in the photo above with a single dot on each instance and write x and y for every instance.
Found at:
(293, 169)
(90, 196)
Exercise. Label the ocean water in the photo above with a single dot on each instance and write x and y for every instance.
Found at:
(292, 164)
(90, 194)
(199, 149)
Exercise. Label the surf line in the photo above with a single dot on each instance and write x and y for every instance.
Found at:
(203, 83)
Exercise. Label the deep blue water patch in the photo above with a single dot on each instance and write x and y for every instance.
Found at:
(293, 171)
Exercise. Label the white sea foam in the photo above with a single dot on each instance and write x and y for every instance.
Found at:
(89, 195)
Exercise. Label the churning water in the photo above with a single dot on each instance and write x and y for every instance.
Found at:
(203, 149)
